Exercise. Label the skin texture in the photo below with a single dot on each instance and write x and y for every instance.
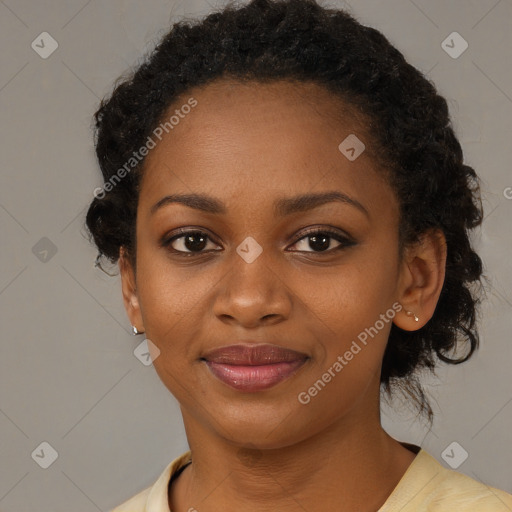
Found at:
(248, 145)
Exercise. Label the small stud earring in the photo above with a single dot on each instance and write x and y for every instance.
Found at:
(410, 313)
(136, 331)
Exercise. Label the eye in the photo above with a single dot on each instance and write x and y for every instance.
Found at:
(188, 242)
(320, 241)
(195, 242)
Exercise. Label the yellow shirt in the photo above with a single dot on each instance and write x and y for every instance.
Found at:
(426, 486)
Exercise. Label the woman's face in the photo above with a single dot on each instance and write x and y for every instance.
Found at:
(253, 275)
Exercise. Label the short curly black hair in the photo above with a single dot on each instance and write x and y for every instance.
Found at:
(409, 122)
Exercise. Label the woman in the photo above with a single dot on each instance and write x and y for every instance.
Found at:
(290, 212)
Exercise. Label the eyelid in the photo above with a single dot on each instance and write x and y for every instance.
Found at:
(341, 237)
(168, 238)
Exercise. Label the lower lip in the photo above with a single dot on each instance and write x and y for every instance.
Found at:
(253, 378)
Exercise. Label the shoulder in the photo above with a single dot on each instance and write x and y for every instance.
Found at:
(427, 486)
(155, 497)
(455, 491)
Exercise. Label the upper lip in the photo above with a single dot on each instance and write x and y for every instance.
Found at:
(253, 354)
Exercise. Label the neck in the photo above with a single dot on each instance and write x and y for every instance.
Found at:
(352, 465)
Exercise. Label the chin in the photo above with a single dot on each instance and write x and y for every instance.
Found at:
(271, 426)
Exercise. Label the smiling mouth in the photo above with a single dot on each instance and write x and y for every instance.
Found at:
(252, 368)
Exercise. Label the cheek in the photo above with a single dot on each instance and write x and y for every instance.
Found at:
(356, 315)
(167, 291)
(352, 311)
(349, 298)
(167, 302)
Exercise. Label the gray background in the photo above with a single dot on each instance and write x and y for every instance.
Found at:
(68, 375)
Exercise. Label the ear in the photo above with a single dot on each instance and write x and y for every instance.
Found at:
(421, 280)
(129, 288)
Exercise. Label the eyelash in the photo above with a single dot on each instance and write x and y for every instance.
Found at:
(344, 241)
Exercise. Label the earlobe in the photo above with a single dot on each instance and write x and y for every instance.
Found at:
(421, 280)
(129, 290)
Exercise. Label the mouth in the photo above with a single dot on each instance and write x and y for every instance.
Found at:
(251, 367)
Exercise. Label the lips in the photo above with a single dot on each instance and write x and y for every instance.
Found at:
(253, 367)
(253, 355)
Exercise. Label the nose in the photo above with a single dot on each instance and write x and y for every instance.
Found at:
(252, 294)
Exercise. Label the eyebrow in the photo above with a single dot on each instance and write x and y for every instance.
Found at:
(282, 206)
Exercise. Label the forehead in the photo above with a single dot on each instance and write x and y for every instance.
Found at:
(256, 137)
(247, 103)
